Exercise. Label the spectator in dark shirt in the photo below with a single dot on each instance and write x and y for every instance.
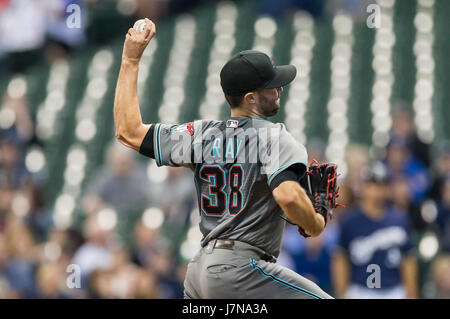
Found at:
(403, 127)
(442, 171)
(443, 216)
(402, 164)
(374, 236)
(440, 275)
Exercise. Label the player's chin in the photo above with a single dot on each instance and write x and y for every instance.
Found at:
(277, 105)
(274, 111)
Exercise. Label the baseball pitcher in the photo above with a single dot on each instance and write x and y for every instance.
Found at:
(251, 177)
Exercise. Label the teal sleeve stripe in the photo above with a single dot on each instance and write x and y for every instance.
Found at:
(158, 145)
(284, 283)
(271, 176)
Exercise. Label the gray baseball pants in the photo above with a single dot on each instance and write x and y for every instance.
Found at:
(240, 273)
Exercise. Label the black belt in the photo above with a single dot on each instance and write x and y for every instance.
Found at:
(230, 244)
(224, 244)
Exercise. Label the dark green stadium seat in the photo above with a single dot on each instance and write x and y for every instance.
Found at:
(316, 112)
(441, 53)
(63, 138)
(195, 87)
(362, 77)
(403, 59)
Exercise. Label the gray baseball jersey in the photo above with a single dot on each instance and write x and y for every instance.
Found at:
(234, 162)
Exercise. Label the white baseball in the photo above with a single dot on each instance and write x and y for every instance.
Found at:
(139, 25)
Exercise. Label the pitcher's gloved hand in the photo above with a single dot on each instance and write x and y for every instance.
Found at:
(320, 184)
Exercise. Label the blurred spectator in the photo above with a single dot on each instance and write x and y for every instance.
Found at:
(178, 6)
(3, 4)
(152, 251)
(442, 170)
(178, 205)
(162, 264)
(50, 280)
(156, 9)
(146, 241)
(401, 164)
(122, 274)
(403, 128)
(124, 279)
(440, 273)
(20, 266)
(6, 198)
(95, 253)
(19, 127)
(108, 19)
(6, 291)
(22, 32)
(443, 216)
(145, 285)
(39, 216)
(16, 131)
(62, 37)
(373, 234)
(310, 258)
(355, 8)
(400, 198)
(357, 158)
(123, 184)
(278, 8)
(140, 284)
(179, 184)
(57, 27)
(98, 284)
(12, 167)
(65, 243)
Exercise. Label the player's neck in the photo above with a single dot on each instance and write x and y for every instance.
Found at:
(243, 112)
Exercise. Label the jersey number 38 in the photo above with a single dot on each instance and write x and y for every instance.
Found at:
(220, 198)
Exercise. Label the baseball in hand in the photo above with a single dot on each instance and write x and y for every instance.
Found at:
(139, 25)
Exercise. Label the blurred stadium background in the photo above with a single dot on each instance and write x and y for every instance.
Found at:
(70, 194)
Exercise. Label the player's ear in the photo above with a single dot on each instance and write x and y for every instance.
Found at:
(250, 98)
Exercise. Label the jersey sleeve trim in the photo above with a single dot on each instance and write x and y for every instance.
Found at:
(158, 145)
(279, 170)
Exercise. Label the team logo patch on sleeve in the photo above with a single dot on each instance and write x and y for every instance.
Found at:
(187, 128)
(232, 123)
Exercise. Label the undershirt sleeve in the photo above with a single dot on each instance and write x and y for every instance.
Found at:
(147, 147)
(294, 172)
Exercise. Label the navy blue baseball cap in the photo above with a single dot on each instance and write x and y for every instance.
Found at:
(252, 70)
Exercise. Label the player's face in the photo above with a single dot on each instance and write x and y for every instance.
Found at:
(269, 101)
